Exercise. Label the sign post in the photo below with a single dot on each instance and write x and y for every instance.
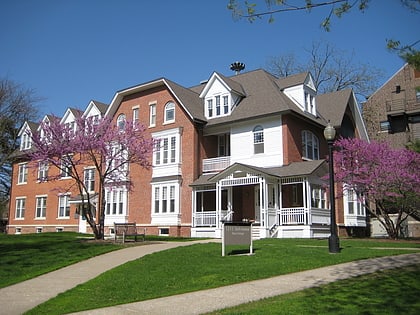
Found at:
(236, 233)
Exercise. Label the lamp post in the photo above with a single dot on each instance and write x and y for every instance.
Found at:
(333, 240)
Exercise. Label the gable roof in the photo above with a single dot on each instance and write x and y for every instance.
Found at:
(304, 168)
(263, 98)
(292, 80)
(230, 84)
(187, 98)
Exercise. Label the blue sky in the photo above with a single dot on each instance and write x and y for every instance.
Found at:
(71, 52)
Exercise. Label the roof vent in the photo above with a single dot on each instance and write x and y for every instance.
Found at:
(237, 67)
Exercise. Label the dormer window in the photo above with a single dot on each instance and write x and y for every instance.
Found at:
(210, 108)
(309, 103)
(25, 143)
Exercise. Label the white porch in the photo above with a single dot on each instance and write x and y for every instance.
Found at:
(280, 207)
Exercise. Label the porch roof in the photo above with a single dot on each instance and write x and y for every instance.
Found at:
(293, 169)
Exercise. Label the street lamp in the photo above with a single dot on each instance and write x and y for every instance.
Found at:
(333, 240)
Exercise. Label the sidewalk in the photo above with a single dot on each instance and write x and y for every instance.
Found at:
(23, 296)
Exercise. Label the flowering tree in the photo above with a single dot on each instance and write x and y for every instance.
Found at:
(95, 143)
(388, 179)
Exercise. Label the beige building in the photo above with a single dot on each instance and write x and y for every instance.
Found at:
(392, 113)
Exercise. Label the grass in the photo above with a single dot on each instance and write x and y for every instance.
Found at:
(387, 292)
(201, 266)
(26, 256)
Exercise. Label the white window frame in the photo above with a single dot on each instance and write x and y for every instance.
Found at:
(167, 148)
(136, 114)
(353, 206)
(22, 173)
(63, 206)
(121, 121)
(319, 197)
(310, 145)
(165, 198)
(152, 114)
(116, 201)
(89, 179)
(258, 139)
(169, 113)
(43, 171)
(26, 141)
(41, 207)
(20, 208)
(65, 169)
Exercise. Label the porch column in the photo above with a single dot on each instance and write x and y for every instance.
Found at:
(308, 204)
(263, 201)
(218, 205)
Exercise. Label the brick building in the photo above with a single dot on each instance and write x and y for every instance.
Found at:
(392, 113)
(246, 147)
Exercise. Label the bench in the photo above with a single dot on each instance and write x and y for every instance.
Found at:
(127, 229)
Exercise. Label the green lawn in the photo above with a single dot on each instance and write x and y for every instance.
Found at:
(29, 255)
(387, 292)
(201, 266)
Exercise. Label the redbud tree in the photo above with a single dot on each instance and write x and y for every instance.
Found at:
(93, 142)
(387, 179)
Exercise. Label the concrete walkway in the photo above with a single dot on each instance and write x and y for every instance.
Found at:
(23, 296)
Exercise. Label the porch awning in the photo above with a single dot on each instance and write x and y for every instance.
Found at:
(304, 168)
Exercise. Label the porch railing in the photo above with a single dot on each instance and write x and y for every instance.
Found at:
(293, 216)
(216, 164)
(207, 218)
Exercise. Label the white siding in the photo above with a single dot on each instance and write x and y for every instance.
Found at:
(242, 143)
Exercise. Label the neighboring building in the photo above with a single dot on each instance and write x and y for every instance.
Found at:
(246, 147)
(392, 113)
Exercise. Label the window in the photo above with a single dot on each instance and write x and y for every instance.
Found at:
(354, 204)
(225, 104)
(318, 197)
(121, 122)
(385, 126)
(89, 179)
(218, 105)
(418, 94)
(25, 141)
(224, 145)
(310, 146)
(23, 173)
(210, 108)
(136, 111)
(66, 166)
(309, 103)
(166, 151)
(152, 121)
(20, 208)
(258, 139)
(63, 206)
(41, 207)
(169, 112)
(116, 201)
(165, 198)
(38, 230)
(42, 171)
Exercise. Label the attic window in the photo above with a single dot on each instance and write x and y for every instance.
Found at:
(25, 141)
(169, 112)
(217, 106)
(121, 122)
